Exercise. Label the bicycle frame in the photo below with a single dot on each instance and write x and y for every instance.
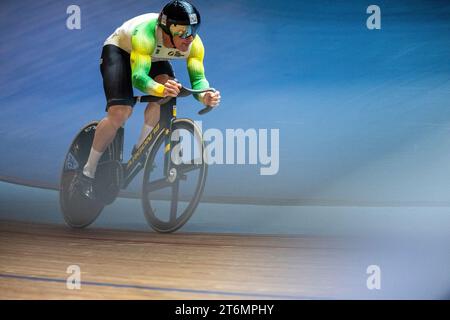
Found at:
(164, 126)
(137, 161)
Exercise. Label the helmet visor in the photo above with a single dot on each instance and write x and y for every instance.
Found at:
(183, 31)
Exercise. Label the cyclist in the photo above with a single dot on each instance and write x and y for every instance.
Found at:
(137, 55)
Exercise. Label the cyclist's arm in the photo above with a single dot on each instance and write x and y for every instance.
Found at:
(143, 45)
(195, 67)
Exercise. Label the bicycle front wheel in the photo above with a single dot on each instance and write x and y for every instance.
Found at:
(174, 177)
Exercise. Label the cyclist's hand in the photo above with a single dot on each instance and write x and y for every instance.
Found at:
(171, 88)
(211, 99)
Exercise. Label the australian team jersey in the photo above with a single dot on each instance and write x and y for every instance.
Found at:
(142, 39)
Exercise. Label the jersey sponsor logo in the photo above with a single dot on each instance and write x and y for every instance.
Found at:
(175, 54)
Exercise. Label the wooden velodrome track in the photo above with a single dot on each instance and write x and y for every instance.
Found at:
(140, 265)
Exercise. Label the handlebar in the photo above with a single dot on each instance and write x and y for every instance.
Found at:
(184, 92)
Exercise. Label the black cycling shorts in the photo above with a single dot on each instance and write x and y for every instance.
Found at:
(116, 72)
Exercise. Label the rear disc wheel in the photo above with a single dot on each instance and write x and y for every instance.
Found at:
(78, 212)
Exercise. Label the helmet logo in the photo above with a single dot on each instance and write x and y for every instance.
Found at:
(193, 18)
(163, 19)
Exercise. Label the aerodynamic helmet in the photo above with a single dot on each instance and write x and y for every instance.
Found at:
(179, 18)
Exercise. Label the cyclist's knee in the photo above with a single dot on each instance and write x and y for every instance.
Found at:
(153, 107)
(152, 112)
(118, 114)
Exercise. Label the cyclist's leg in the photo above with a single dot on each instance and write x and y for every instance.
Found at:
(105, 134)
(151, 114)
(160, 71)
(108, 126)
(116, 73)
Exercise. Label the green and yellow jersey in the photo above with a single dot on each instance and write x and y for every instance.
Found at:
(142, 39)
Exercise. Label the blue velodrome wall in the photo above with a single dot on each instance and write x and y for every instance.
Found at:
(363, 115)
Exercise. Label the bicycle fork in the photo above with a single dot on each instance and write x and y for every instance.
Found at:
(170, 169)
